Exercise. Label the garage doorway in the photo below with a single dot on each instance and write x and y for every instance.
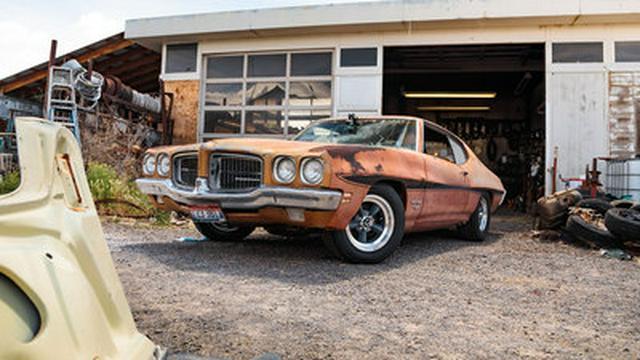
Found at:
(492, 96)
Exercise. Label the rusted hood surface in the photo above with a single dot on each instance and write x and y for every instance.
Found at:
(260, 146)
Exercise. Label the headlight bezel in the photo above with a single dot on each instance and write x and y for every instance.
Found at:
(159, 164)
(149, 170)
(303, 165)
(276, 165)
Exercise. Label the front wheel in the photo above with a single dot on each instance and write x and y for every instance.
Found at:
(223, 232)
(374, 232)
(477, 228)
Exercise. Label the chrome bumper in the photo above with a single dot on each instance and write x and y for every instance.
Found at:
(311, 199)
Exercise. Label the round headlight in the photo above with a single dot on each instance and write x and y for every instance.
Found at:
(312, 171)
(149, 164)
(284, 170)
(164, 164)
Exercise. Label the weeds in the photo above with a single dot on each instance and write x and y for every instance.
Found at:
(9, 182)
(105, 184)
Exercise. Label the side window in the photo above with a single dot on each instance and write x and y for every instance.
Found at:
(459, 153)
(437, 144)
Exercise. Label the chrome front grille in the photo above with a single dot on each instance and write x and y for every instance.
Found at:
(185, 170)
(235, 172)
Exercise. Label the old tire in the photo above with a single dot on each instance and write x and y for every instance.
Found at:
(599, 205)
(623, 204)
(591, 234)
(218, 232)
(624, 224)
(477, 228)
(374, 232)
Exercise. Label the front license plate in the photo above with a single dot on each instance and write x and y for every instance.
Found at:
(208, 214)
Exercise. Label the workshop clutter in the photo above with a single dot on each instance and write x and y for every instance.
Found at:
(598, 222)
(512, 150)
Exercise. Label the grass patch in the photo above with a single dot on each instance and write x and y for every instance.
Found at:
(106, 184)
(9, 182)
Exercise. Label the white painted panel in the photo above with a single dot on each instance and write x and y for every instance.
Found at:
(359, 93)
(577, 126)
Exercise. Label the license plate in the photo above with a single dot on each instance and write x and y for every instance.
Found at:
(208, 214)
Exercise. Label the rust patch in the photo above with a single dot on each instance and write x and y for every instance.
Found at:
(379, 168)
(348, 154)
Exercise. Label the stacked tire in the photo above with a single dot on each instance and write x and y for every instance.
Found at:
(624, 224)
(621, 224)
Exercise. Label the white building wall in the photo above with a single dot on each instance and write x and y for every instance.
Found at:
(576, 106)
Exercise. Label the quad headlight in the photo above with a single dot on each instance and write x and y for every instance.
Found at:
(164, 164)
(284, 169)
(149, 164)
(312, 171)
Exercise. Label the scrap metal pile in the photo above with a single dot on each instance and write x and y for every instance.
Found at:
(117, 123)
(599, 222)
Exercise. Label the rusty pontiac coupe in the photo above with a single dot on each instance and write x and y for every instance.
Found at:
(364, 182)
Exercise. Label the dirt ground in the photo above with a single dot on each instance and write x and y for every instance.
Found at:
(437, 297)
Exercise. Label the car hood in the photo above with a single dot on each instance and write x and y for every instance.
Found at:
(261, 146)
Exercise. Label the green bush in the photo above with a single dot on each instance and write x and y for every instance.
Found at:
(9, 182)
(105, 183)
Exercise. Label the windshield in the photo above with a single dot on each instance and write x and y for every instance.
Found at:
(398, 133)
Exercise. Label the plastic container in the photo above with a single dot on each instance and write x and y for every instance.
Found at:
(623, 179)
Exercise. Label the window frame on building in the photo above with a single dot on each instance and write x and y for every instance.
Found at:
(286, 108)
(167, 66)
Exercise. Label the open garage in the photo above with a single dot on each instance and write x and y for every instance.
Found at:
(492, 96)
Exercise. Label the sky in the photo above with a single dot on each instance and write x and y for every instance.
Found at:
(27, 27)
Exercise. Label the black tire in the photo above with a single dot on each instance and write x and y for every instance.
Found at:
(623, 204)
(599, 205)
(222, 232)
(591, 234)
(346, 247)
(472, 229)
(624, 224)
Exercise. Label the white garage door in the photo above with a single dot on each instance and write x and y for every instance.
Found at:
(577, 126)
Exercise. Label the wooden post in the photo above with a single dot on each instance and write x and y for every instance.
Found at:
(52, 59)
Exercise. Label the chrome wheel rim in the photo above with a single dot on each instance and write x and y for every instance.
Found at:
(372, 227)
(483, 214)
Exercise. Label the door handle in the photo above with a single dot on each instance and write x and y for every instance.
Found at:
(465, 173)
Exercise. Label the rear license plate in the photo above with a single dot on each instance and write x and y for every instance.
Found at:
(208, 214)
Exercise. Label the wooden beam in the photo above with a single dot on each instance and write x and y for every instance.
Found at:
(141, 81)
(134, 75)
(41, 74)
(121, 71)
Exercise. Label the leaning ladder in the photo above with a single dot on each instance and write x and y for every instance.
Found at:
(61, 99)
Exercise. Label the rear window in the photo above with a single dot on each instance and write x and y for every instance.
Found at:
(437, 144)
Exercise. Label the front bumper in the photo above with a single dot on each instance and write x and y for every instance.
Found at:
(310, 199)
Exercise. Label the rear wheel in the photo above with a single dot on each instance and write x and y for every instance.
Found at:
(223, 232)
(374, 232)
(477, 228)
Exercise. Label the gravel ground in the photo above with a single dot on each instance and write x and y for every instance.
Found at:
(436, 297)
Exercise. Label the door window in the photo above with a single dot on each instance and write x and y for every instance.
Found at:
(437, 144)
(459, 153)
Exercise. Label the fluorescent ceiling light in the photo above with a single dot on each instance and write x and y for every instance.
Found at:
(448, 95)
(454, 108)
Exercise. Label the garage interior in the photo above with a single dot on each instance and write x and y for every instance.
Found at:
(492, 96)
